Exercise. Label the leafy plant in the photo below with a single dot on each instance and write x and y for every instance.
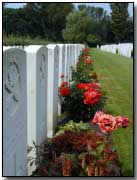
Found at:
(74, 127)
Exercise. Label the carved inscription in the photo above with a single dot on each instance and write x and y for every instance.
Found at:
(12, 87)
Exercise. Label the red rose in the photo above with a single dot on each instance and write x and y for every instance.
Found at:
(84, 86)
(95, 85)
(64, 84)
(65, 91)
(86, 50)
(92, 97)
(87, 86)
(88, 61)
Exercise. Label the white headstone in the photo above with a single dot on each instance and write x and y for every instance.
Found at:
(61, 71)
(37, 62)
(14, 112)
(52, 102)
(71, 62)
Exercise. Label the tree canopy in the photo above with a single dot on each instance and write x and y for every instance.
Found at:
(119, 18)
(62, 22)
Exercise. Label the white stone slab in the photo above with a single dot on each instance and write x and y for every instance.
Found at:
(52, 102)
(14, 112)
(61, 61)
(67, 60)
(37, 65)
(61, 71)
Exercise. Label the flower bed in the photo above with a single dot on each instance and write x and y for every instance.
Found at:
(79, 148)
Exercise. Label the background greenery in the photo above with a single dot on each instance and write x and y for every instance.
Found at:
(116, 77)
(62, 22)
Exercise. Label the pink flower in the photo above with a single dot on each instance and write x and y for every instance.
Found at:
(62, 76)
(108, 123)
(119, 121)
(125, 122)
(97, 117)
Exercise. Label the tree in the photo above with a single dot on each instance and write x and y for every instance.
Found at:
(129, 34)
(45, 20)
(119, 17)
(101, 23)
(78, 27)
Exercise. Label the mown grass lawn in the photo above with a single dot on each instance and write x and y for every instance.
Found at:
(116, 78)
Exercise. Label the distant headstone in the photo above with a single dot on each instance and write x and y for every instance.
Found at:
(52, 102)
(61, 71)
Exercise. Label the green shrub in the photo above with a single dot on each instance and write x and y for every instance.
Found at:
(73, 126)
(11, 40)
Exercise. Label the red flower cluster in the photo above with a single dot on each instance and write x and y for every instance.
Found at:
(86, 50)
(92, 94)
(63, 84)
(88, 61)
(92, 97)
(108, 123)
(64, 89)
(86, 86)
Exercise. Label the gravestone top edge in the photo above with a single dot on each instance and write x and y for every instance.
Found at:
(61, 45)
(5, 49)
(34, 48)
(52, 46)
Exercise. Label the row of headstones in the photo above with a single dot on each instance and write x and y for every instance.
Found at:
(18, 46)
(31, 79)
(125, 49)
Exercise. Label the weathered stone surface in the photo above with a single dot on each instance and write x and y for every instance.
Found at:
(52, 101)
(37, 65)
(14, 112)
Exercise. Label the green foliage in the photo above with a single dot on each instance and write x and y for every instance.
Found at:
(11, 40)
(45, 20)
(74, 127)
(79, 154)
(119, 18)
(93, 40)
(77, 27)
(62, 22)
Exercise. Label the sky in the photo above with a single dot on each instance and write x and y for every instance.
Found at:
(103, 5)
